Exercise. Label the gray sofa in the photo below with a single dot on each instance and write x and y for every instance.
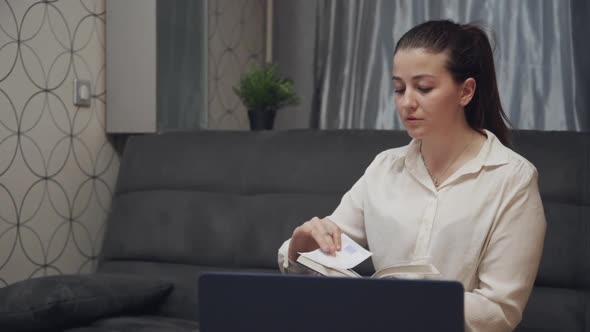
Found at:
(189, 203)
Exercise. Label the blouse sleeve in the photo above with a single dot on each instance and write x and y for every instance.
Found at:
(348, 215)
(511, 259)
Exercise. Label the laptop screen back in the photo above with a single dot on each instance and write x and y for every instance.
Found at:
(273, 302)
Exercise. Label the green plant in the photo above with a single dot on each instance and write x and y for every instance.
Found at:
(263, 88)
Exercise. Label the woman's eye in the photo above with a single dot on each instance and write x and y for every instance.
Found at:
(399, 91)
(425, 90)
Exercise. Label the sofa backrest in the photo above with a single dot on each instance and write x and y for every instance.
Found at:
(229, 199)
(186, 203)
(563, 162)
(560, 299)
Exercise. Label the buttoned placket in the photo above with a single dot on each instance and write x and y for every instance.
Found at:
(422, 247)
(417, 169)
(420, 173)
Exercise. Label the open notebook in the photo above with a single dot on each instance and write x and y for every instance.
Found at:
(352, 254)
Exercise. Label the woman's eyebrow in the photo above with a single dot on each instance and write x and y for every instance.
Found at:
(415, 77)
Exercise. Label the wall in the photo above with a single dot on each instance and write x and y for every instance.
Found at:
(156, 56)
(236, 41)
(131, 71)
(57, 167)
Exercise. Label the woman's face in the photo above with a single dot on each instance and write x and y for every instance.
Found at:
(427, 98)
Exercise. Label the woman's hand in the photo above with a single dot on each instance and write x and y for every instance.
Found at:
(313, 234)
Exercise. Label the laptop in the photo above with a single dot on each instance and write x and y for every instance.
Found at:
(231, 302)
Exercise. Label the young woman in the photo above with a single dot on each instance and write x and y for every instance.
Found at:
(456, 196)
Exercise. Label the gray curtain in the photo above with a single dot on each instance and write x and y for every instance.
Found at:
(541, 58)
(181, 52)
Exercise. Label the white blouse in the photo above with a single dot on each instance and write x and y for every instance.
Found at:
(484, 226)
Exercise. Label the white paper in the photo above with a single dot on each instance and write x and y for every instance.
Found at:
(351, 255)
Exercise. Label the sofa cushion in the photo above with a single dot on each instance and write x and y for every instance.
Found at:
(208, 229)
(49, 303)
(183, 301)
(565, 260)
(555, 309)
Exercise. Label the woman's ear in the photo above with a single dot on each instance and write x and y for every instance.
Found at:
(467, 91)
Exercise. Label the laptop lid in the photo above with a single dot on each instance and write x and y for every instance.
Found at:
(274, 302)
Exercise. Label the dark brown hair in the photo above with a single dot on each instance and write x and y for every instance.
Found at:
(469, 55)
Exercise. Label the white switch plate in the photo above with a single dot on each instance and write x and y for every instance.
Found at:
(82, 93)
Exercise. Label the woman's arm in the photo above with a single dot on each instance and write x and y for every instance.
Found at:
(348, 217)
(510, 262)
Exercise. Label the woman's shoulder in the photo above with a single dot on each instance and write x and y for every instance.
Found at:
(518, 168)
(505, 160)
(390, 157)
(394, 153)
(519, 162)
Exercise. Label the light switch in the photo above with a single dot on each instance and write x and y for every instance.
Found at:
(82, 95)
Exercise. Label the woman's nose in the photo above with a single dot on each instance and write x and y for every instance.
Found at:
(408, 101)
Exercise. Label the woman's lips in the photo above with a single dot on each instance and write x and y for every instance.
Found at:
(412, 119)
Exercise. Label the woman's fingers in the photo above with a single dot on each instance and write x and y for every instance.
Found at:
(335, 231)
(325, 233)
(337, 238)
(322, 236)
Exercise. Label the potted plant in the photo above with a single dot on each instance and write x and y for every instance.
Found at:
(263, 91)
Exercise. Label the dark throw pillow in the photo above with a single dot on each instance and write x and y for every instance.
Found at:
(58, 302)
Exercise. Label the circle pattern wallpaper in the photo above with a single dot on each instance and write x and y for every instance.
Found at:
(57, 167)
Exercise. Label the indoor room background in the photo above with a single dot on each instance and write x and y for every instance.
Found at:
(59, 164)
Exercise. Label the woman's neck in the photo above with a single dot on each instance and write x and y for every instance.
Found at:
(452, 147)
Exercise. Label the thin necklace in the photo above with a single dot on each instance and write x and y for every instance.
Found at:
(437, 178)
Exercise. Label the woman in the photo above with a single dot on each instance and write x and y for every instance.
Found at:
(456, 196)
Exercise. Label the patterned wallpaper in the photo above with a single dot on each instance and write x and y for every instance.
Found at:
(57, 168)
(236, 41)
